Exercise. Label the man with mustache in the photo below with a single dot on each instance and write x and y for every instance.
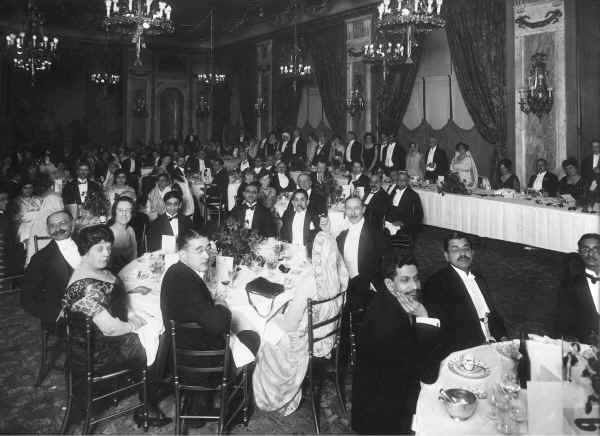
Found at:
(461, 300)
(578, 305)
(49, 271)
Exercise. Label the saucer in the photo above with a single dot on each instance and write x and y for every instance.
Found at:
(479, 369)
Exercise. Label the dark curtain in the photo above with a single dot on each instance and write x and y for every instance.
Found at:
(245, 68)
(476, 35)
(395, 95)
(286, 100)
(328, 51)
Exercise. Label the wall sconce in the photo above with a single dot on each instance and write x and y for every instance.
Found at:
(203, 109)
(140, 104)
(260, 107)
(356, 104)
(537, 97)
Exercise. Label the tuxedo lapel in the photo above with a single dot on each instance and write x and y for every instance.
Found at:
(363, 247)
(463, 294)
(341, 240)
(60, 261)
(166, 225)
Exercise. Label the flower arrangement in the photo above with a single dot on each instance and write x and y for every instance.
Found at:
(95, 210)
(452, 185)
(235, 241)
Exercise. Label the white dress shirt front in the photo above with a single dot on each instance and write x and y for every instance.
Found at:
(244, 165)
(595, 160)
(483, 311)
(284, 181)
(389, 155)
(349, 151)
(174, 223)
(539, 181)
(83, 189)
(69, 251)
(284, 146)
(398, 197)
(594, 289)
(132, 165)
(431, 155)
(369, 197)
(298, 228)
(249, 216)
(351, 247)
(294, 145)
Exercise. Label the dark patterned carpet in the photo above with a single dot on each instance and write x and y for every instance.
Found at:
(523, 281)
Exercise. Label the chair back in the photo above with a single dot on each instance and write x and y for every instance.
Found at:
(319, 330)
(37, 238)
(197, 368)
(80, 336)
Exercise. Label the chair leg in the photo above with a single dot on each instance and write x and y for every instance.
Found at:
(314, 397)
(44, 356)
(145, 397)
(69, 391)
(246, 397)
(88, 408)
(177, 412)
(339, 383)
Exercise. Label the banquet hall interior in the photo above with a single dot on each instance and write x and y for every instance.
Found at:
(300, 216)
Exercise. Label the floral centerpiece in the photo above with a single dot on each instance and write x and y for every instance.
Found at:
(235, 241)
(95, 210)
(452, 185)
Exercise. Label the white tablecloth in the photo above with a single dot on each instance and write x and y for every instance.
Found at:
(431, 416)
(520, 221)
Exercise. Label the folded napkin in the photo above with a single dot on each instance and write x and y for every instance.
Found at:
(264, 288)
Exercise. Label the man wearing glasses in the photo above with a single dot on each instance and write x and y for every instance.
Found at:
(460, 299)
(579, 295)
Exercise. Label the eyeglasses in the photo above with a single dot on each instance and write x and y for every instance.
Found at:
(589, 250)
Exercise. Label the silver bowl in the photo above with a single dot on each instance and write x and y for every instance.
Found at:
(460, 403)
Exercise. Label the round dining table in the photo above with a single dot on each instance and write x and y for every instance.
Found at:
(549, 404)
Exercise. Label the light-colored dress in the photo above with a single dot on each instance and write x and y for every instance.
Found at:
(281, 367)
(414, 165)
(124, 249)
(51, 203)
(466, 169)
(27, 209)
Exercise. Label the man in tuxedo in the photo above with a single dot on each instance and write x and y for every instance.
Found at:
(317, 204)
(461, 300)
(389, 180)
(405, 212)
(393, 155)
(590, 162)
(298, 152)
(259, 168)
(358, 179)
(197, 164)
(75, 192)
(220, 179)
(269, 165)
(353, 150)
(436, 161)
(171, 223)
(133, 167)
(398, 349)
(299, 224)
(543, 181)
(362, 247)
(184, 297)
(245, 162)
(286, 148)
(323, 150)
(578, 305)
(253, 215)
(322, 181)
(49, 270)
(377, 203)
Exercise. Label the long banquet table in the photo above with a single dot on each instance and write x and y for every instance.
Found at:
(551, 409)
(512, 220)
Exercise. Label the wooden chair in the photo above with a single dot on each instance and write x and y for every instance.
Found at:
(80, 331)
(336, 323)
(47, 330)
(190, 365)
(215, 206)
(10, 284)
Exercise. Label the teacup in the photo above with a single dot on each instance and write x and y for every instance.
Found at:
(468, 362)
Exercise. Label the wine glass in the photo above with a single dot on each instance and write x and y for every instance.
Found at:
(505, 423)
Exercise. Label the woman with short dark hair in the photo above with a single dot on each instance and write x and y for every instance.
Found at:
(464, 165)
(572, 184)
(125, 243)
(506, 179)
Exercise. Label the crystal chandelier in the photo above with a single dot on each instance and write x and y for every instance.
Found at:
(32, 50)
(138, 18)
(356, 104)
(537, 97)
(296, 69)
(399, 22)
(105, 78)
(212, 78)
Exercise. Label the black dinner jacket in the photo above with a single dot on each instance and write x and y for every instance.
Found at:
(587, 168)
(317, 203)
(372, 246)
(262, 220)
(70, 192)
(394, 355)
(184, 297)
(162, 226)
(377, 208)
(300, 148)
(324, 153)
(409, 211)
(221, 180)
(355, 153)
(549, 184)
(363, 181)
(446, 297)
(576, 313)
(441, 163)
(291, 187)
(286, 233)
(44, 283)
(193, 164)
(126, 165)
(398, 157)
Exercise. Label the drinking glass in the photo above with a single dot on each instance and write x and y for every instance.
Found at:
(518, 412)
(505, 424)
(492, 398)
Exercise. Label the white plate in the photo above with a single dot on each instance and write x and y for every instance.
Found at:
(479, 370)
